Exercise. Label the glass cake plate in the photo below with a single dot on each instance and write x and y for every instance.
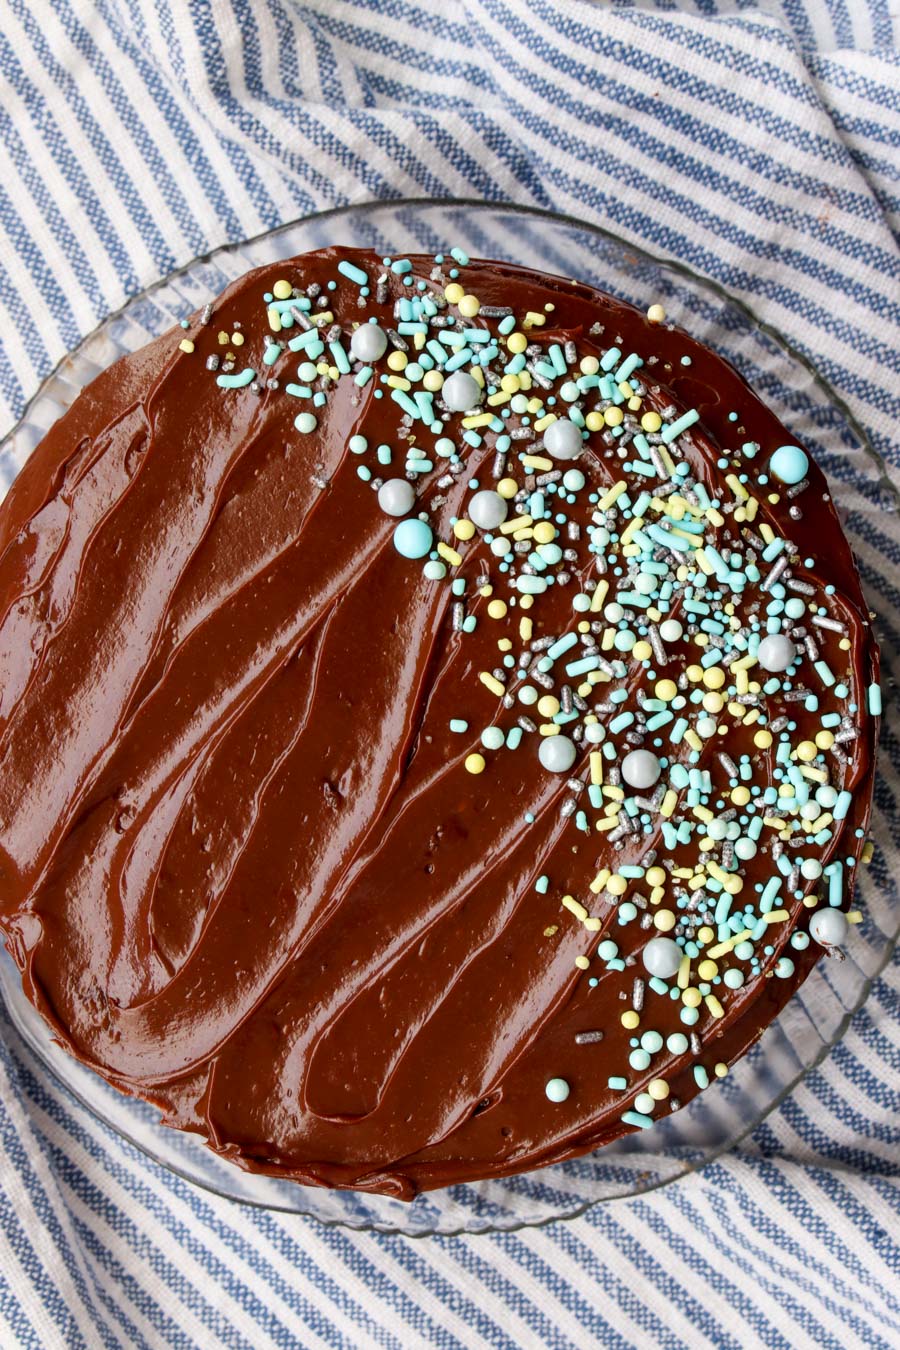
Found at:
(816, 1018)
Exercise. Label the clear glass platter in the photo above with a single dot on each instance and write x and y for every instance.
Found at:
(818, 1015)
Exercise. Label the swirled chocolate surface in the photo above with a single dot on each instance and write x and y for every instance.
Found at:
(278, 849)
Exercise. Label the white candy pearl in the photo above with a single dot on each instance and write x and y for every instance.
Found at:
(745, 849)
(810, 869)
(594, 733)
(368, 343)
(829, 927)
(641, 769)
(776, 652)
(562, 439)
(557, 1090)
(557, 754)
(461, 391)
(396, 497)
(662, 957)
(487, 509)
(670, 630)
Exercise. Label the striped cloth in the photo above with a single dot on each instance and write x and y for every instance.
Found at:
(757, 142)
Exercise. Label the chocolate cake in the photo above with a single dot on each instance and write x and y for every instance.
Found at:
(437, 720)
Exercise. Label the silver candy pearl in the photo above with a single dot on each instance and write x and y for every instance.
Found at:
(557, 754)
(562, 439)
(776, 652)
(396, 497)
(461, 391)
(487, 509)
(640, 769)
(368, 343)
(662, 957)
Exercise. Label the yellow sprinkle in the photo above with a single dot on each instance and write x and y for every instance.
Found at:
(596, 762)
(548, 705)
(737, 487)
(504, 644)
(614, 793)
(607, 822)
(751, 508)
(574, 907)
(582, 963)
(537, 462)
(274, 322)
(449, 554)
(517, 523)
(612, 496)
(533, 320)
(475, 763)
(186, 345)
(526, 628)
(854, 916)
(600, 880)
(397, 382)
(868, 853)
(592, 924)
(817, 775)
(714, 1006)
(705, 565)
(478, 420)
(703, 813)
(714, 517)
(495, 400)
(684, 972)
(599, 596)
(542, 423)
(693, 740)
(656, 314)
(631, 529)
(729, 881)
(491, 682)
(657, 894)
(776, 916)
(669, 802)
(705, 934)
(325, 318)
(548, 729)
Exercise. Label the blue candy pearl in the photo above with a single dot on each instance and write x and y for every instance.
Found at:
(789, 463)
(413, 538)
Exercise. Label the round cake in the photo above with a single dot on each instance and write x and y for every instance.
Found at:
(438, 712)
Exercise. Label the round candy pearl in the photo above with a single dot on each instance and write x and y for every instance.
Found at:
(789, 463)
(640, 769)
(811, 869)
(562, 439)
(557, 1090)
(573, 480)
(670, 630)
(829, 927)
(557, 754)
(461, 391)
(776, 652)
(368, 343)
(662, 957)
(745, 849)
(487, 509)
(413, 538)
(396, 496)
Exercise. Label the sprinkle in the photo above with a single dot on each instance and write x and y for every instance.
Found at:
(491, 683)
(246, 376)
(875, 700)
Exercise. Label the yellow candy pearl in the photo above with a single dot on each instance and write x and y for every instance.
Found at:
(464, 529)
(806, 751)
(707, 970)
(762, 740)
(642, 651)
(651, 421)
(630, 1020)
(507, 487)
(397, 361)
(824, 740)
(594, 421)
(613, 417)
(740, 796)
(714, 678)
(656, 314)
(666, 690)
(497, 609)
(691, 998)
(282, 290)
(656, 876)
(475, 763)
(664, 920)
(658, 1089)
(617, 885)
(548, 706)
(544, 532)
(453, 292)
(713, 703)
(516, 343)
(433, 380)
(469, 306)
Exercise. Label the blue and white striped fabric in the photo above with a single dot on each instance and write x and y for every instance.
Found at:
(758, 141)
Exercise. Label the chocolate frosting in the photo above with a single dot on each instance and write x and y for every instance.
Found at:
(243, 869)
